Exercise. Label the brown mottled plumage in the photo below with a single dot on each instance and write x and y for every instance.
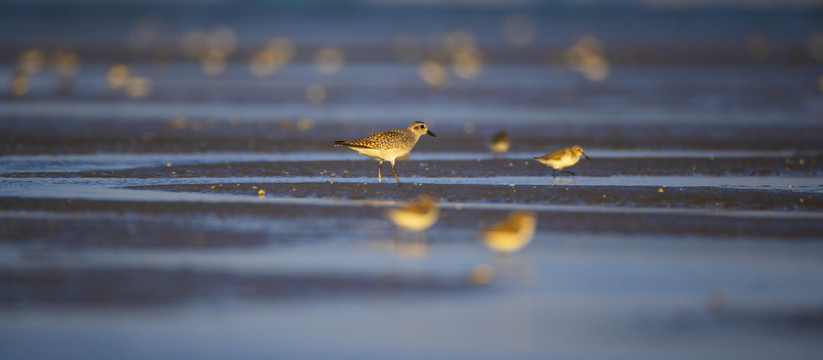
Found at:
(562, 158)
(388, 145)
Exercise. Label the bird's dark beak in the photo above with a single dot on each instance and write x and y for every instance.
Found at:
(431, 133)
(587, 156)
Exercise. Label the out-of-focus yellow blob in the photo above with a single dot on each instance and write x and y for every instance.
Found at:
(329, 59)
(482, 274)
(66, 63)
(31, 61)
(138, 87)
(222, 39)
(518, 29)
(118, 75)
(305, 124)
(433, 73)
(467, 63)
(586, 56)
(316, 93)
(277, 53)
(500, 142)
(178, 123)
(407, 48)
(213, 62)
(417, 216)
(19, 84)
(512, 233)
(595, 68)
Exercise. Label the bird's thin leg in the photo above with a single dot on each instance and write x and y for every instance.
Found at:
(554, 173)
(379, 175)
(394, 172)
(570, 173)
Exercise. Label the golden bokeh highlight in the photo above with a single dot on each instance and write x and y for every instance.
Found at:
(433, 73)
(467, 63)
(587, 57)
(118, 75)
(316, 93)
(19, 85)
(815, 46)
(305, 124)
(138, 87)
(222, 40)
(276, 54)
(407, 48)
(466, 60)
(212, 48)
(417, 216)
(482, 274)
(518, 30)
(329, 59)
(213, 62)
(66, 63)
(512, 233)
(31, 61)
(758, 48)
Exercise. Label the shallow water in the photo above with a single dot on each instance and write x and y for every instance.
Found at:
(214, 219)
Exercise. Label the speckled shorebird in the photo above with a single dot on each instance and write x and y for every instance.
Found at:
(417, 216)
(512, 233)
(388, 145)
(500, 142)
(563, 158)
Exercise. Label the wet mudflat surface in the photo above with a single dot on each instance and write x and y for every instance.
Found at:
(200, 210)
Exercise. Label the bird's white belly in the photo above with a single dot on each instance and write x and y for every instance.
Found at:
(564, 161)
(388, 155)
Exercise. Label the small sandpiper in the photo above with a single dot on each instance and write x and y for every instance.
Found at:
(512, 233)
(388, 145)
(417, 216)
(500, 142)
(562, 158)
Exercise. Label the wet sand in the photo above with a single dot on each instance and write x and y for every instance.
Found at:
(213, 218)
